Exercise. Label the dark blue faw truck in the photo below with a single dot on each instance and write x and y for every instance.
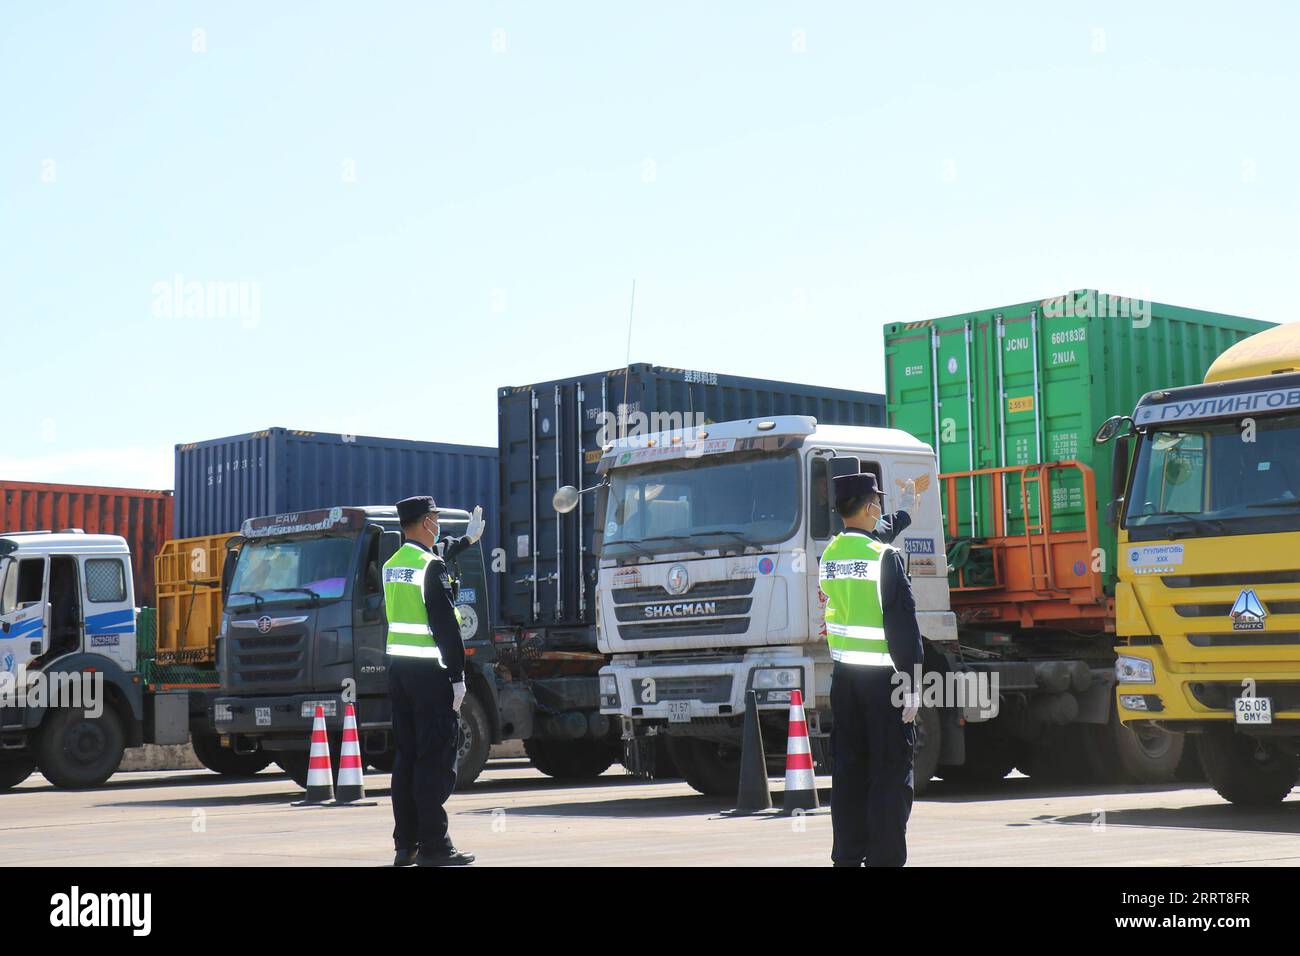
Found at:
(304, 626)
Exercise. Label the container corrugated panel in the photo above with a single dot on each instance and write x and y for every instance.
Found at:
(549, 435)
(223, 481)
(142, 517)
(1031, 383)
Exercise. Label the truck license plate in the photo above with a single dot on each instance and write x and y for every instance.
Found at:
(679, 711)
(1253, 710)
(263, 716)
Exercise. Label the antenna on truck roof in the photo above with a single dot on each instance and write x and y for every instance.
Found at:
(627, 365)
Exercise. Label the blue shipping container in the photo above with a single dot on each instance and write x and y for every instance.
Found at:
(550, 435)
(221, 482)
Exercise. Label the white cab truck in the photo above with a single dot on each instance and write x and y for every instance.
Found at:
(71, 694)
(708, 585)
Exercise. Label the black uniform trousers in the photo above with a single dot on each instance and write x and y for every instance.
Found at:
(424, 769)
(871, 774)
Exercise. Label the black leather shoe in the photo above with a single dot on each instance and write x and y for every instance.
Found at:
(404, 857)
(454, 858)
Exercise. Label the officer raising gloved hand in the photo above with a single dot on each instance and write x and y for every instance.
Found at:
(873, 636)
(426, 680)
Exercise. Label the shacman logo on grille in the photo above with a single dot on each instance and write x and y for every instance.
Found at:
(1248, 613)
(264, 624)
(681, 610)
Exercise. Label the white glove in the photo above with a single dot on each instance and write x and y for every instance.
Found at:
(475, 529)
(907, 500)
(457, 695)
(911, 704)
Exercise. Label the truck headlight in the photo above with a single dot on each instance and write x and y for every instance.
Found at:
(608, 685)
(772, 678)
(221, 713)
(1134, 670)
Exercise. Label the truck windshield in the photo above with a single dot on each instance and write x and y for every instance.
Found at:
(1206, 479)
(732, 501)
(292, 569)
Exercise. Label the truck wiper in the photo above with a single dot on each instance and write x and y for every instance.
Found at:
(315, 597)
(675, 537)
(1203, 524)
(734, 535)
(258, 600)
(629, 544)
(1276, 503)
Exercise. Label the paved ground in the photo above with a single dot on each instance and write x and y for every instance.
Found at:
(516, 816)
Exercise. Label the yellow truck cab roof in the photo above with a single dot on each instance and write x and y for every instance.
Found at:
(1271, 352)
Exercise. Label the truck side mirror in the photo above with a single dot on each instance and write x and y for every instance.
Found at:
(228, 572)
(1118, 478)
(1112, 512)
(1121, 425)
(565, 499)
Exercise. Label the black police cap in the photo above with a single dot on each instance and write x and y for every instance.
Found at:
(413, 509)
(848, 487)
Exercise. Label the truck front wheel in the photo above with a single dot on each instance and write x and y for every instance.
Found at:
(1247, 770)
(77, 750)
(571, 759)
(473, 741)
(14, 770)
(711, 768)
(223, 760)
(1141, 753)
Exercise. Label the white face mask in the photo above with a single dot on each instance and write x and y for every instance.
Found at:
(435, 530)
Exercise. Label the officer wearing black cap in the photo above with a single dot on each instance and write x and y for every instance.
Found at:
(873, 635)
(426, 680)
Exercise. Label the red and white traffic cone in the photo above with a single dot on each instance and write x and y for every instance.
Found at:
(320, 776)
(800, 785)
(352, 786)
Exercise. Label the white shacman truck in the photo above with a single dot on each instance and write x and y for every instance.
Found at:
(708, 585)
(72, 697)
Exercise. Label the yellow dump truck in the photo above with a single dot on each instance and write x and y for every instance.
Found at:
(1207, 499)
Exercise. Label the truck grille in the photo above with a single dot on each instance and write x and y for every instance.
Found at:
(1219, 695)
(708, 690)
(707, 608)
(1230, 579)
(1245, 639)
(260, 660)
(704, 589)
(701, 626)
(1223, 610)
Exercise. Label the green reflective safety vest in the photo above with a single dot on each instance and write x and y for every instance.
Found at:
(408, 620)
(849, 576)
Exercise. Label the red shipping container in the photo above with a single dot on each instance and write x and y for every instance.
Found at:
(143, 518)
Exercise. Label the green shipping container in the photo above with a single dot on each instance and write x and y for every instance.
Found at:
(1031, 383)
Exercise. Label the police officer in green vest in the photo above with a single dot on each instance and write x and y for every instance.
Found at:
(873, 635)
(426, 681)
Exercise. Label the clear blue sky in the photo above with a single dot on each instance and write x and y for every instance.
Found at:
(463, 193)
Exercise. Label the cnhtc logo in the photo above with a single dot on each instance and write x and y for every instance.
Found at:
(1248, 613)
